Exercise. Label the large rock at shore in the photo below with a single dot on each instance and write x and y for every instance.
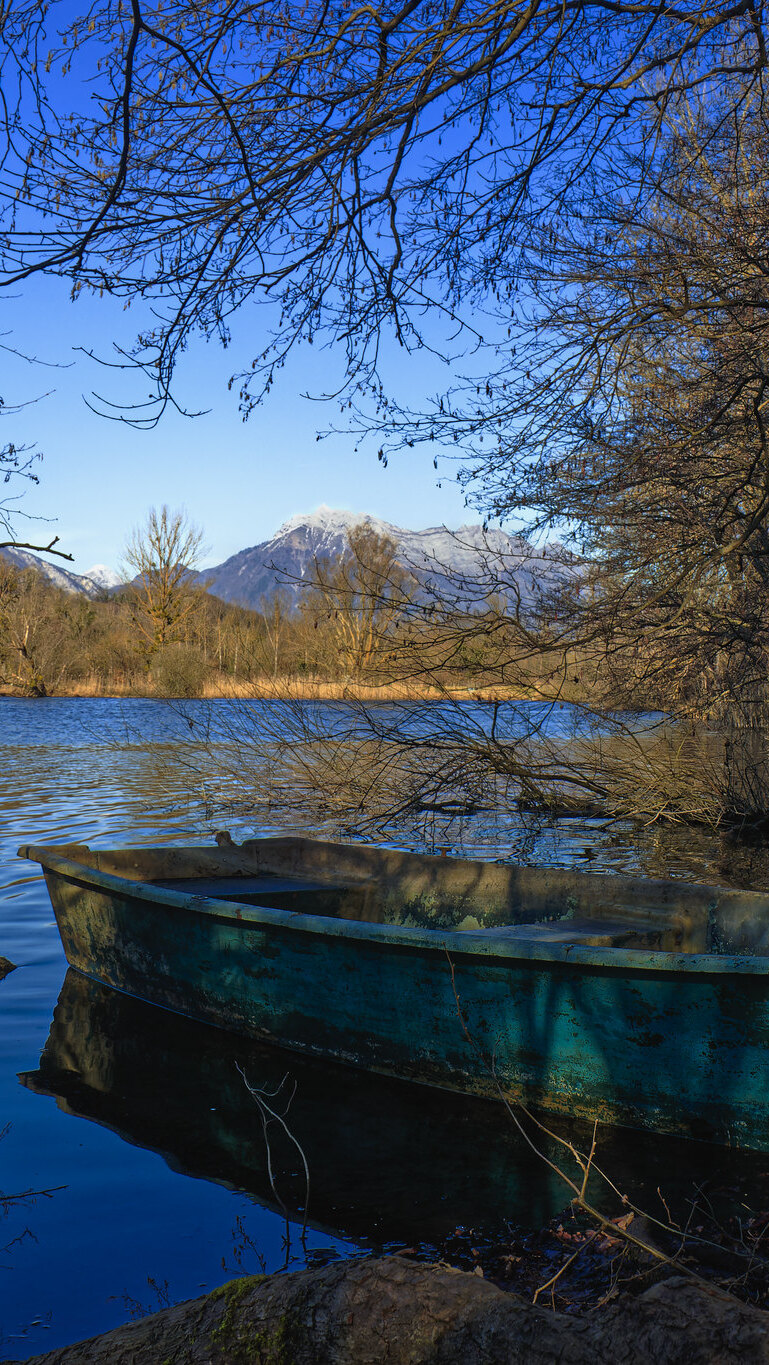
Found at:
(397, 1312)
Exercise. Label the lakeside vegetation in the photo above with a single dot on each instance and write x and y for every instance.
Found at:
(362, 628)
(53, 643)
(564, 249)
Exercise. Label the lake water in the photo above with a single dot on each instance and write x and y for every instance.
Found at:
(139, 1122)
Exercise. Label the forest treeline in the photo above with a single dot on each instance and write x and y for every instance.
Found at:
(55, 643)
(360, 622)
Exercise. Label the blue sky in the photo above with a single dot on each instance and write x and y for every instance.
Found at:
(237, 480)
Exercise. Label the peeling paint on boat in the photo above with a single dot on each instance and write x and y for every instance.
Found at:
(674, 1041)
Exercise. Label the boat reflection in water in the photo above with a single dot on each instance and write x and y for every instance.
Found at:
(389, 1161)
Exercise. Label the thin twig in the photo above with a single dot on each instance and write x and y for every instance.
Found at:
(269, 1116)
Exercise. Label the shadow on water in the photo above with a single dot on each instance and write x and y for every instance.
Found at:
(389, 1162)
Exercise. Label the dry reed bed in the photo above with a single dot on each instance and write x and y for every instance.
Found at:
(300, 689)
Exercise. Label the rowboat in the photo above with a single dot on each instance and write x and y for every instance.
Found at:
(389, 1161)
(628, 1001)
(377, 1148)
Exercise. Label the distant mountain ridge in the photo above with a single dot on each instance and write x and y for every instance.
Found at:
(461, 566)
(466, 563)
(90, 584)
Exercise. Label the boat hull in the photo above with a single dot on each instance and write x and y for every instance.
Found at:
(677, 1043)
(389, 1161)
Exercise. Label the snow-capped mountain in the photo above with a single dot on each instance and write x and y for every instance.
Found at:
(104, 577)
(461, 566)
(55, 573)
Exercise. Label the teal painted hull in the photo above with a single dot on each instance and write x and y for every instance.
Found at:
(389, 1161)
(674, 1042)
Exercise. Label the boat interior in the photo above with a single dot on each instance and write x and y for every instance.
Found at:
(549, 906)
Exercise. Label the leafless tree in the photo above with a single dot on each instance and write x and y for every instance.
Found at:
(35, 651)
(355, 167)
(160, 558)
(17, 468)
(639, 431)
(274, 613)
(362, 598)
(562, 188)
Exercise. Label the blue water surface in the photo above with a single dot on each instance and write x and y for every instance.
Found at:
(136, 1215)
(77, 1262)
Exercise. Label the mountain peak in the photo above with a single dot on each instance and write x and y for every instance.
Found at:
(327, 519)
(461, 566)
(103, 576)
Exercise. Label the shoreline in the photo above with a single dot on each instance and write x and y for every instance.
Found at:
(422, 1313)
(223, 688)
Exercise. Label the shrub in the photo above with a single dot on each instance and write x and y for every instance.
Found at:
(179, 671)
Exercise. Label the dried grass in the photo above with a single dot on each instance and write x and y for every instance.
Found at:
(312, 688)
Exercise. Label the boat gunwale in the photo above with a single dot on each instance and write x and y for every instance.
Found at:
(455, 943)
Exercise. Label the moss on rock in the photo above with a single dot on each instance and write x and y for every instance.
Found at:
(364, 1312)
